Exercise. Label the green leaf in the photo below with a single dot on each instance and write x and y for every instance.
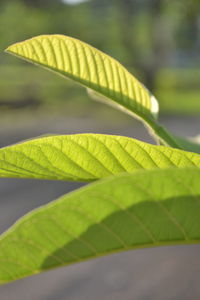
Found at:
(86, 157)
(96, 71)
(189, 144)
(89, 67)
(128, 211)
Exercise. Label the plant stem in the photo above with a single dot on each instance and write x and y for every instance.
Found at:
(160, 134)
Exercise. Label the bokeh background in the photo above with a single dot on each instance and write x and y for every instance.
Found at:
(159, 42)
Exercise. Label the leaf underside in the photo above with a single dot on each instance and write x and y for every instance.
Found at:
(90, 67)
(128, 211)
(188, 144)
(87, 157)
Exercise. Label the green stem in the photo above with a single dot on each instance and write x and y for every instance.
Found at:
(161, 134)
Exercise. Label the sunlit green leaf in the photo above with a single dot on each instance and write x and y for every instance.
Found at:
(96, 71)
(90, 67)
(128, 211)
(87, 157)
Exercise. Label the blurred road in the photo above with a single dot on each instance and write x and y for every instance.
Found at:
(166, 273)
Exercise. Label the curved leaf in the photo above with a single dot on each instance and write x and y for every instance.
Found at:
(87, 157)
(90, 67)
(144, 209)
(96, 71)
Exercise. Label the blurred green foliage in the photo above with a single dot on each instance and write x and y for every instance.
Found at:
(158, 40)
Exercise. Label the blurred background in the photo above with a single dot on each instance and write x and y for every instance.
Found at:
(159, 42)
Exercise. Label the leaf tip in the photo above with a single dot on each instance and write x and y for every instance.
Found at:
(7, 50)
(10, 49)
(154, 106)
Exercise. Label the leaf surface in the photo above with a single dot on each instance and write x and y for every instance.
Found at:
(102, 75)
(87, 157)
(91, 68)
(128, 211)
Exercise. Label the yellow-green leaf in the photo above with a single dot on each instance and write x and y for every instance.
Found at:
(86, 157)
(128, 211)
(90, 67)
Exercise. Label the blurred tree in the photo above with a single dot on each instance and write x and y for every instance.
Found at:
(145, 35)
(42, 3)
(187, 29)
